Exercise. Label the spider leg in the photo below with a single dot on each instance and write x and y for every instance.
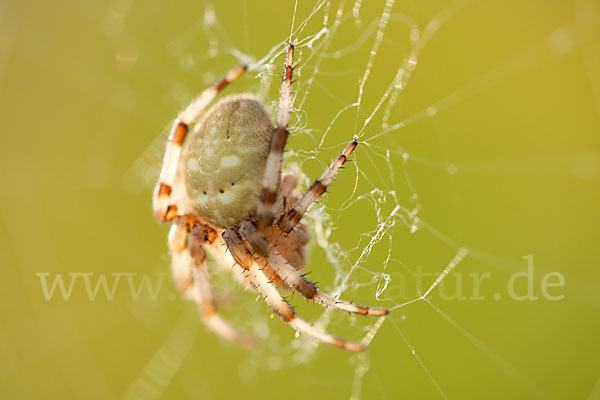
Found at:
(163, 210)
(272, 174)
(265, 287)
(293, 216)
(219, 252)
(293, 278)
(285, 196)
(190, 272)
(286, 312)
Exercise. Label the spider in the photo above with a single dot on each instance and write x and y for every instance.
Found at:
(224, 190)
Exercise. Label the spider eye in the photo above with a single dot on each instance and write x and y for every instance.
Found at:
(221, 191)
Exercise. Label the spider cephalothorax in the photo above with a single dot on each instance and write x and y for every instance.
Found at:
(224, 190)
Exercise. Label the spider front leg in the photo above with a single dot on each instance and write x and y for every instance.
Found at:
(163, 209)
(191, 275)
(286, 312)
(319, 186)
(295, 279)
(265, 287)
(272, 174)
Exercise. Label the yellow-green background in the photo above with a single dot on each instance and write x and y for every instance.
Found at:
(74, 117)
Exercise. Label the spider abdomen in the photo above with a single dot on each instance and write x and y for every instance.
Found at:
(224, 160)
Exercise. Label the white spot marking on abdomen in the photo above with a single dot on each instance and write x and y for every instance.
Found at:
(202, 199)
(193, 165)
(230, 161)
(226, 197)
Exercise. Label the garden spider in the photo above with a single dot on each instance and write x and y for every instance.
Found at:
(224, 190)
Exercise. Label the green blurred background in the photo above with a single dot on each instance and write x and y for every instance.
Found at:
(508, 166)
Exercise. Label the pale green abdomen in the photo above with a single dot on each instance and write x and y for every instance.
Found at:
(224, 160)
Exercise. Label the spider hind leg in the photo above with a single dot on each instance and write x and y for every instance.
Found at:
(190, 272)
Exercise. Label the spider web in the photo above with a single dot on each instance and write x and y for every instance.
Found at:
(361, 58)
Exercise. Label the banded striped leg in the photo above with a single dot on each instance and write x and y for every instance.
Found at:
(286, 312)
(272, 175)
(222, 256)
(190, 272)
(293, 217)
(285, 196)
(295, 279)
(163, 210)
